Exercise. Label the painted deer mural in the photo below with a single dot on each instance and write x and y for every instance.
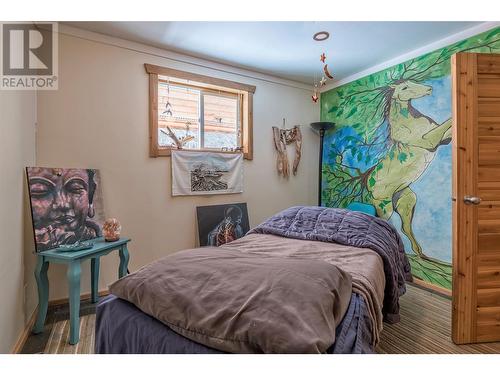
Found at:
(415, 139)
(389, 128)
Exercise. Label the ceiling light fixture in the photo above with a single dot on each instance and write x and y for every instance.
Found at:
(321, 36)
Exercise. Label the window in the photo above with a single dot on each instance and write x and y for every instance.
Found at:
(211, 118)
(213, 114)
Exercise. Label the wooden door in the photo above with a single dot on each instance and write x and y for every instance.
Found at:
(476, 197)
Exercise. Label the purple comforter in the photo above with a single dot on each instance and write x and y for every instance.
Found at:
(121, 328)
(353, 229)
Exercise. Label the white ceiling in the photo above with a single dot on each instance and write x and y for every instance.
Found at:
(285, 49)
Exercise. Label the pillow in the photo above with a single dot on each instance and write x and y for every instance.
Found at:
(242, 303)
(362, 207)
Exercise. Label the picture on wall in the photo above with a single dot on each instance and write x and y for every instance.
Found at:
(66, 205)
(222, 224)
(206, 173)
(391, 150)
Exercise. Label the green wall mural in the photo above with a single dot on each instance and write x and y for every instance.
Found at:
(390, 151)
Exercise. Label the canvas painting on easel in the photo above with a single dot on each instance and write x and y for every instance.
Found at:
(66, 205)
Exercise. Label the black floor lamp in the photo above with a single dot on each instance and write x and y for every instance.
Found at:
(321, 127)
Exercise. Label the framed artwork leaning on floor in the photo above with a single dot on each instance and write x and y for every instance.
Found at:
(220, 224)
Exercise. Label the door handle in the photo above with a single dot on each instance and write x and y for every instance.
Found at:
(472, 200)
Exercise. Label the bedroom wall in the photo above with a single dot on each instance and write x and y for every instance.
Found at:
(17, 145)
(99, 118)
(375, 157)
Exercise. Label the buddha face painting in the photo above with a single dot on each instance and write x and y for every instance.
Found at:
(66, 205)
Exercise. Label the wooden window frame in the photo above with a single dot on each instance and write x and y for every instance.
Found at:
(207, 84)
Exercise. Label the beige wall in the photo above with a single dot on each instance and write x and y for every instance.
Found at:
(99, 118)
(17, 150)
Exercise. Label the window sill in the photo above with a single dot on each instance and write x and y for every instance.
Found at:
(167, 151)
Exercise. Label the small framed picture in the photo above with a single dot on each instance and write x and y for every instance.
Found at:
(220, 224)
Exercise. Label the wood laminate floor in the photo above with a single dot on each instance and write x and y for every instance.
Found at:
(425, 328)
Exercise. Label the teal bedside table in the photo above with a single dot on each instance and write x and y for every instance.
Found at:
(73, 260)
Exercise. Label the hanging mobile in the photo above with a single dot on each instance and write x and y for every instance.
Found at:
(319, 37)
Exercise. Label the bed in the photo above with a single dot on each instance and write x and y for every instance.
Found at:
(271, 291)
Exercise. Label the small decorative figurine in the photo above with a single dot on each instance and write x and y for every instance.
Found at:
(111, 230)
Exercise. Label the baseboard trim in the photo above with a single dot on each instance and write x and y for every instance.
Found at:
(65, 300)
(56, 302)
(432, 288)
(24, 334)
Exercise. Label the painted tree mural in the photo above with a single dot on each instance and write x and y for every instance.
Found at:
(392, 127)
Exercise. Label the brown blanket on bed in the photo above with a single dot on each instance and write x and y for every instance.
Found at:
(364, 265)
(241, 302)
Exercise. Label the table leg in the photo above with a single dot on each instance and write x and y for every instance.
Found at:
(42, 282)
(94, 267)
(73, 276)
(122, 270)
